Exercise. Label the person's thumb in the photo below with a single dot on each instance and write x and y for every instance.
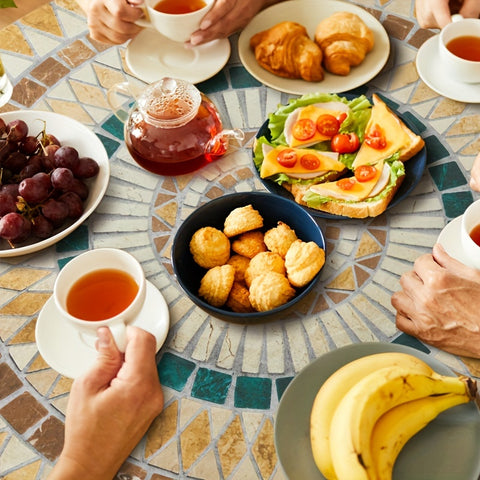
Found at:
(451, 264)
(108, 362)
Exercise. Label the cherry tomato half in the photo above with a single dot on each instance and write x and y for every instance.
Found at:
(346, 183)
(287, 158)
(345, 142)
(327, 125)
(303, 129)
(309, 161)
(342, 117)
(364, 173)
(376, 138)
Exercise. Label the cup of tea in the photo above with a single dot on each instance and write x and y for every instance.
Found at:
(459, 47)
(175, 19)
(105, 287)
(470, 234)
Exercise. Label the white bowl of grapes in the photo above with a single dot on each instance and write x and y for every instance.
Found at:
(54, 171)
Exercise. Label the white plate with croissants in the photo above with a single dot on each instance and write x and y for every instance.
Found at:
(304, 46)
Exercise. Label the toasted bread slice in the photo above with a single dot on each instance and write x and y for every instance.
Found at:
(398, 136)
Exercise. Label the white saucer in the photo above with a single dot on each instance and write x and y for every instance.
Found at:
(151, 56)
(62, 348)
(449, 238)
(438, 80)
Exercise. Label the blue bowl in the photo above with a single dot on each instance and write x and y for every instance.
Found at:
(273, 209)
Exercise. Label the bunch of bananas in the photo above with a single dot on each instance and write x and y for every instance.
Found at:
(367, 410)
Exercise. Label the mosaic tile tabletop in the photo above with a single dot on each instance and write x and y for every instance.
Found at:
(222, 382)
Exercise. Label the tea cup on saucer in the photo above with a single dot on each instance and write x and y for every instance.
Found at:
(459, 49)
(105, 287)
(470, 235)
(174, 19)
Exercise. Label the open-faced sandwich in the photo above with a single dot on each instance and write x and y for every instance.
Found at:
(344, 157)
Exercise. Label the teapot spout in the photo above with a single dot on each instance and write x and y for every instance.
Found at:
(220, 143)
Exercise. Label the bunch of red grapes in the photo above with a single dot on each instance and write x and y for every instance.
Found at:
(42, 183)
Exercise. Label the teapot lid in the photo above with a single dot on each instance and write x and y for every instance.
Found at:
(170, 102)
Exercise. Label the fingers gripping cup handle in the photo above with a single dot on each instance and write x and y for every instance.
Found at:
(119, 333)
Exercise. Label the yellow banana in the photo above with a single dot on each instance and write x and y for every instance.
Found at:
(395, 427)
(353, 421)
(334, 389)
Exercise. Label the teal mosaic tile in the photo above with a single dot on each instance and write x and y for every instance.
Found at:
(240, 78)
(456, 203)
(63, 261)
(362, 90)
(77, 240)
(253, 392)
(114, 126)
(111, 146)
(409, 341)
(211, 385)
(413, 122)
(435, 149)
(174, 371)
(448, 175)
(282, 384)
(217, 83)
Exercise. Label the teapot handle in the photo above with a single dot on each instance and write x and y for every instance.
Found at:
(118, 94)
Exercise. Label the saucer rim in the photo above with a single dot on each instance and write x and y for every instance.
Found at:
(224, 52)
(86, 351)
(426, 55)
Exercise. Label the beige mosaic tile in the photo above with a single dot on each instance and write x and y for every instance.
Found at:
(27, 303)
(162, 429)
(43, 19)
(231, 447)
(264, 450)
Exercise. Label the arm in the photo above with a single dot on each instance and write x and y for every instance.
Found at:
(440, 303)
(227, 17)
(475, 175)
(112, 21)
(110, 408)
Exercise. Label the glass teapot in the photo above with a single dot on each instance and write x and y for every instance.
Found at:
(172, 128)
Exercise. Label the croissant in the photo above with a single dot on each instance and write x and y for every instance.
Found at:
(345, 40)
(286, 50)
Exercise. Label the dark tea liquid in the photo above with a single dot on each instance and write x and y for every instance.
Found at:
(101, 294)
(466, 47)
(475, 234)
(179, 6)
(178, 150)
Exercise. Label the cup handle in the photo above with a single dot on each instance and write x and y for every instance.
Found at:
(456, 17)
(144, 21)
(119, 333)
(116, 98)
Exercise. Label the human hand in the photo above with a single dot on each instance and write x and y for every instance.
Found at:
(112, 21)
(475, 175)
(110, 408)
(438, 13)
(439, 303)
(227, 17)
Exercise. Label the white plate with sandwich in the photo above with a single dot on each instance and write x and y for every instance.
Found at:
(383, 167)
(309, 13)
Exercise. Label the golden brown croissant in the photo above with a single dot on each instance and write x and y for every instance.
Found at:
(345, 40)
(286, 50)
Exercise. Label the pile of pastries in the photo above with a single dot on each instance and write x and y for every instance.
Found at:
(250, 270)
(341, 41)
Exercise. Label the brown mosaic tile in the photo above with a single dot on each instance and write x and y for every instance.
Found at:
(244, 173)
(320, 305)
(169, 184)
(168, 213)
(332, 233)
(157, 476)
(397, 27)
(21, 278)
(228, 181)
(64, 385)
(380, 235)
(27, 92)
(361, 275)
(160, 242)
(48, 439)
(195, 439)
(420, 37)
(44, 19)
(371, 263)
(50, 72)
(38, 364)
(128, 470)
(99, 46)
(337, 297)
(27, 303)
(231, 447)
(23, 412)
(162, 429)
(10, 382)
(76, 53)
(473, 365)
(158, 226)
(214, 192)
(264, 450)
(26, 335)
(183, 181)
(163, 198)
(12, 40)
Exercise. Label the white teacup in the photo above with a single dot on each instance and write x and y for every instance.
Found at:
(103, 260)
(175, 26)
(460, 69)
(470, 220)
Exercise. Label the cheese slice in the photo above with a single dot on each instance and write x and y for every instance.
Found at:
(312, 112)
(327, 162)
(360, 190)
(395, 135)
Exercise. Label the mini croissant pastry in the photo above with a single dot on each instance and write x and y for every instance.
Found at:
(345, 40)
(286, 50)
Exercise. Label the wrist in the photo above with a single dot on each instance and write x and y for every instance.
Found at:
(67, 468)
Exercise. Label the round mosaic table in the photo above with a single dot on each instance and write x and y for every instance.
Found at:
(222, 382)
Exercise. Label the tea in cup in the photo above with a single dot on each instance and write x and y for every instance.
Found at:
(175, 19)
(470, 235)
(102, 287)
(459, 45)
